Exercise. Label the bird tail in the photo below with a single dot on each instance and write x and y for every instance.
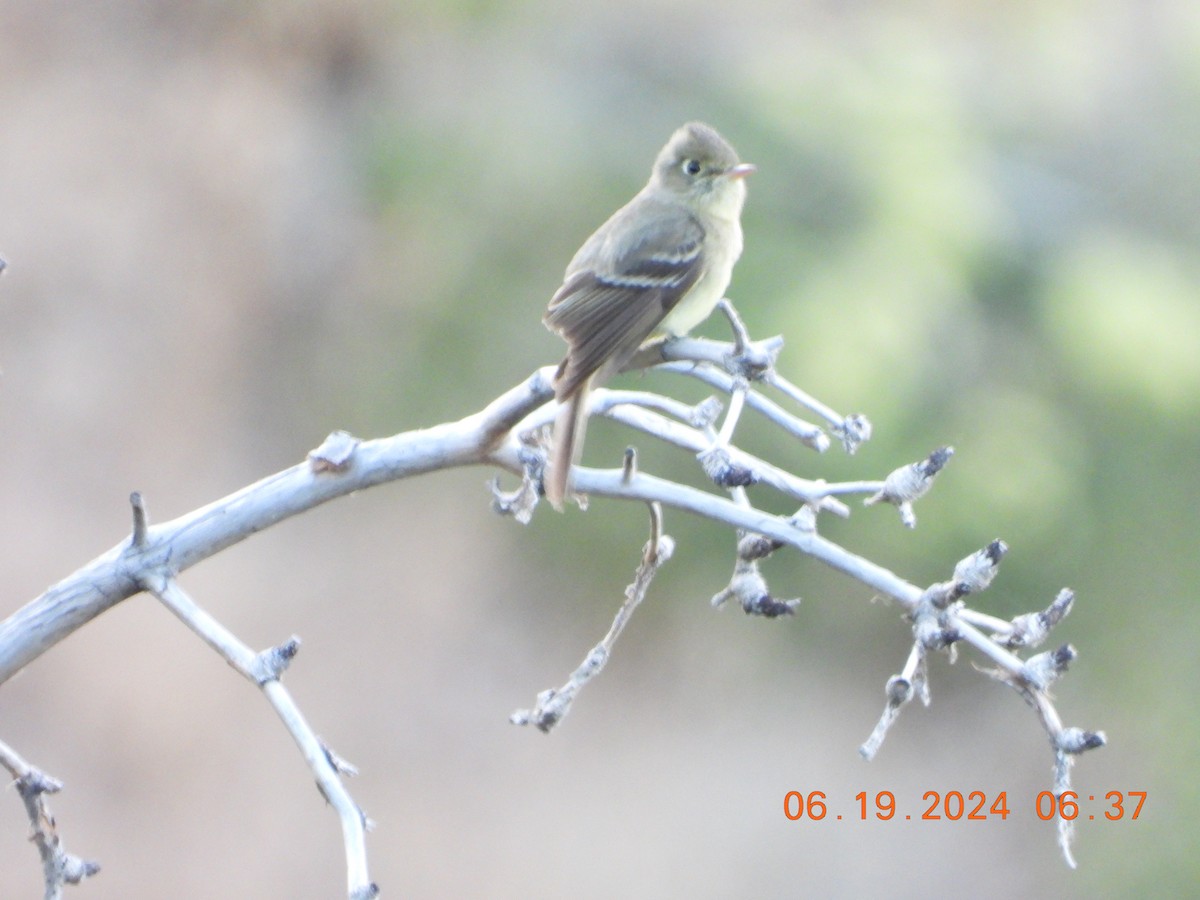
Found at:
(566, 446)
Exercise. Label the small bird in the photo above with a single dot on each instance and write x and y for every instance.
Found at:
(657, 267)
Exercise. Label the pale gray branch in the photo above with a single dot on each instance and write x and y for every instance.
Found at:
(180, 543)
(505, 435)
(264, 670)
(554, 703)
(59, 868)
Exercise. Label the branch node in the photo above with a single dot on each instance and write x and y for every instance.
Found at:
(35, 782)
(273, 662)
(723, 471)
(706, 412)
(768, 607)
(898, 692)
(521, 503)
(806, 517)
(1043, 669)
(629, 465)
(910, 483)
(975, 572)
(58, 866)
(140, 521)
(1074, 741)
(1030, 629)
(341, 766)
(853, 430)
(336, 453)
(747, 584)
(755, 546)
(750, 359)
(934, 625)
(75, 869)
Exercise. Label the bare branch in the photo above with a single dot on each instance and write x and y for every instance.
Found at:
(181, 543)
(699, 443)
(554, 703)
(264, 670)
(747, 585)
(808, 434)
(900, 689)
(509, 434)
(58, 867)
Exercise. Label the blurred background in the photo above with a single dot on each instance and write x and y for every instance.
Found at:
(233, 227)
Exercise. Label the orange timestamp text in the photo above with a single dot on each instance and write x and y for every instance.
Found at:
(972, 806)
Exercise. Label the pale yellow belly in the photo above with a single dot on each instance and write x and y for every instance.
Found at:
(702, 299)
(697, 304)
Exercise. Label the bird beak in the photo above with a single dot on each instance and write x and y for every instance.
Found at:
(741, 170)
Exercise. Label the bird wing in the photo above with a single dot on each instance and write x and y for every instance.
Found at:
(613, 298)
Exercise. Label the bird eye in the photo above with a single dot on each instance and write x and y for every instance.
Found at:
(691, 166)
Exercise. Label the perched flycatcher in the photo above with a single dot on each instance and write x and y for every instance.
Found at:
(659, 266)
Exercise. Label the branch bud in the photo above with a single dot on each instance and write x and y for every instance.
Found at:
(706, 412)
(976, 572)
(852, 431)
(910, 483)
(335, 453)
(723, 472)
(1076, 740)
(899, 691)
(1030, 629)
(1044, 669)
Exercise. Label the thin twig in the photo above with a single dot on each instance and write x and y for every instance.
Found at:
(140, 521)
(553, 704)
(808, 434)
(698, 442)
(59, 868)
(264, 670)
